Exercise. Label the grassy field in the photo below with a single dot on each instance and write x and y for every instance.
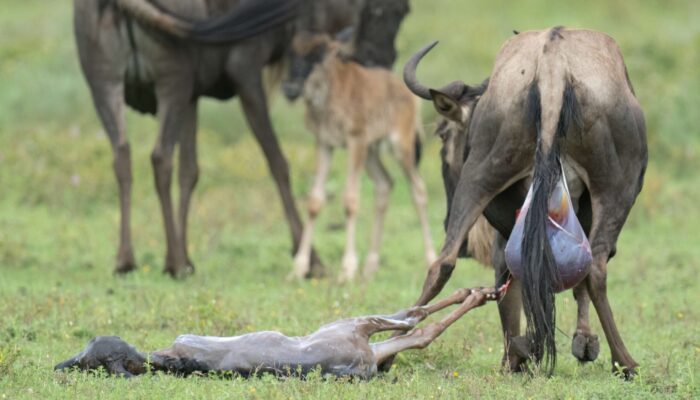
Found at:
(59, 219)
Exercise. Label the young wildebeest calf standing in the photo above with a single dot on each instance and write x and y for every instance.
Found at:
(350, 105)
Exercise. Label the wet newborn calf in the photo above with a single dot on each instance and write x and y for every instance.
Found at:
(340, 348)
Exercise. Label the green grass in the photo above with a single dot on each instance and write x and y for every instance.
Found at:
(59, 218)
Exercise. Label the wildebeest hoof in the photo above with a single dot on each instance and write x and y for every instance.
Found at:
(585, 347)
(180, 273)
(123, 267)
(627, 373)
(517, 355)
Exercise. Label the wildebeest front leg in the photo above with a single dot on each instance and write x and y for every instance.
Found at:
(248, 82)
(482, 177)
(422, 337)
(176, 111)
(108, 98)
(584, 346)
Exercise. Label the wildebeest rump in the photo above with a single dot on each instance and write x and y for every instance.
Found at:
(554, 95)
(341, 348)
(161, 56)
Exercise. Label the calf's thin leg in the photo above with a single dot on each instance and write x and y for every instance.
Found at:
(316, 201)
(409, 318)
(407, 160)
(382, 189)
(357, 151)
(422, 337)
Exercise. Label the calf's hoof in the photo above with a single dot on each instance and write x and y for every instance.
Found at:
(585, 347)
(317, 269)
(371, 266)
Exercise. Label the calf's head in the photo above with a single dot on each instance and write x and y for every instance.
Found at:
(307, 51)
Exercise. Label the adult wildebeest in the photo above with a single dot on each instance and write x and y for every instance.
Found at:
(341, 348)
(156, 58)
(356, 107)
(554, 96)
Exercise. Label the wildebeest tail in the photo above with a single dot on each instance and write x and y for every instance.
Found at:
(540, 272)
(418, 145)
(249, 18)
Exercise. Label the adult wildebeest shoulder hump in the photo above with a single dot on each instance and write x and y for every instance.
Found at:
(161, 56)
(554, 96)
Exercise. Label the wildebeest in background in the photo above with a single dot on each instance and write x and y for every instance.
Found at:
(355, 107)
(156, 58)
(553, 96)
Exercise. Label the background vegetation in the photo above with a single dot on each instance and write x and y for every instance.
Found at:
(59, 219)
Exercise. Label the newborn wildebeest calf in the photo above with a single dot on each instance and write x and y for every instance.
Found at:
(358, 107)
(340, 348)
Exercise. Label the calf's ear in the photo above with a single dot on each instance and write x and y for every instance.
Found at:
(446, 105)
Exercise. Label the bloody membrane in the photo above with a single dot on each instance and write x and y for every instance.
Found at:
(570, 247)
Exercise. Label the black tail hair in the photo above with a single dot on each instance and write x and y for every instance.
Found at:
(418, 149)
(540, 271)
(248, 19)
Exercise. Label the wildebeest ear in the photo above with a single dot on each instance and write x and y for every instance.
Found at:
(446, 105)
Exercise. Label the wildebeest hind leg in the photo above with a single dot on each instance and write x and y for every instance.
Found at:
(584, 346)
(175, 114)
(509, 308)
(188, 174)
(610, 210)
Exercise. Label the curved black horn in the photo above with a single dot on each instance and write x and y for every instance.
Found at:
(409, 73)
